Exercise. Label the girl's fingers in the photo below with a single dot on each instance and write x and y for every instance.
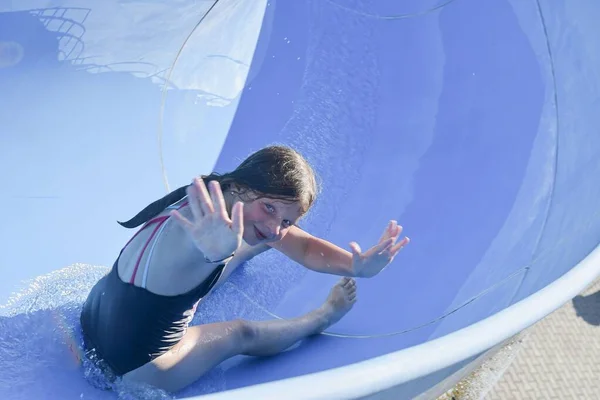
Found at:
(398, 246)
(380, 247)
(193, 202)
(218, 200)
(355, 249)
(202, 195)
(237, 215)
(387, 232)
(399, 230)
(392, 230)
(181, 220)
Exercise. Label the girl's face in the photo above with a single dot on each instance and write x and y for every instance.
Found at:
(267, 220)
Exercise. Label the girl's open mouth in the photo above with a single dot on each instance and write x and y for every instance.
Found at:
(259, 235)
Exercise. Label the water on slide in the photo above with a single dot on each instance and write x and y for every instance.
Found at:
(448, 116)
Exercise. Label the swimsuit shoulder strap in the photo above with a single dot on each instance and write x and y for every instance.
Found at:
(160, 225)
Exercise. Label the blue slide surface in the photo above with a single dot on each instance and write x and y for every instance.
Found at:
(473, 123)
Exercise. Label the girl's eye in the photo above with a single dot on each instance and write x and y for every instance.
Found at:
(271, 210)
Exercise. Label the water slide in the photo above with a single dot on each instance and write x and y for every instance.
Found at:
(474, 123)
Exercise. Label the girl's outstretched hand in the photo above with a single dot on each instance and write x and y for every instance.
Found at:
(212, 231)
(374, 260)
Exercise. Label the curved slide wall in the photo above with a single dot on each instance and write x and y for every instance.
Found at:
(472, 123)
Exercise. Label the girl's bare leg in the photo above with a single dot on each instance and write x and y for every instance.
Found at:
(205, 346)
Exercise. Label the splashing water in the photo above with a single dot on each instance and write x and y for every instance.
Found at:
(41, 346)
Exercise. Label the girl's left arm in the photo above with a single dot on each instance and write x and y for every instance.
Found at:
(315, 253)
(322, 256)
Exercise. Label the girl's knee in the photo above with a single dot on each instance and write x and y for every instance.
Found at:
(245, 331)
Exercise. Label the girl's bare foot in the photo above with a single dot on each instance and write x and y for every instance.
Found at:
(341, 299)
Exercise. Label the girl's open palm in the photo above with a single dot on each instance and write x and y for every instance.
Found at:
(374, 260)
(212, 231)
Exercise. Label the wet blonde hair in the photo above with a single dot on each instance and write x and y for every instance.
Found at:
(276, 172)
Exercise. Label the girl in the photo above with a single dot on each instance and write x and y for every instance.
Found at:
(135, 319)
